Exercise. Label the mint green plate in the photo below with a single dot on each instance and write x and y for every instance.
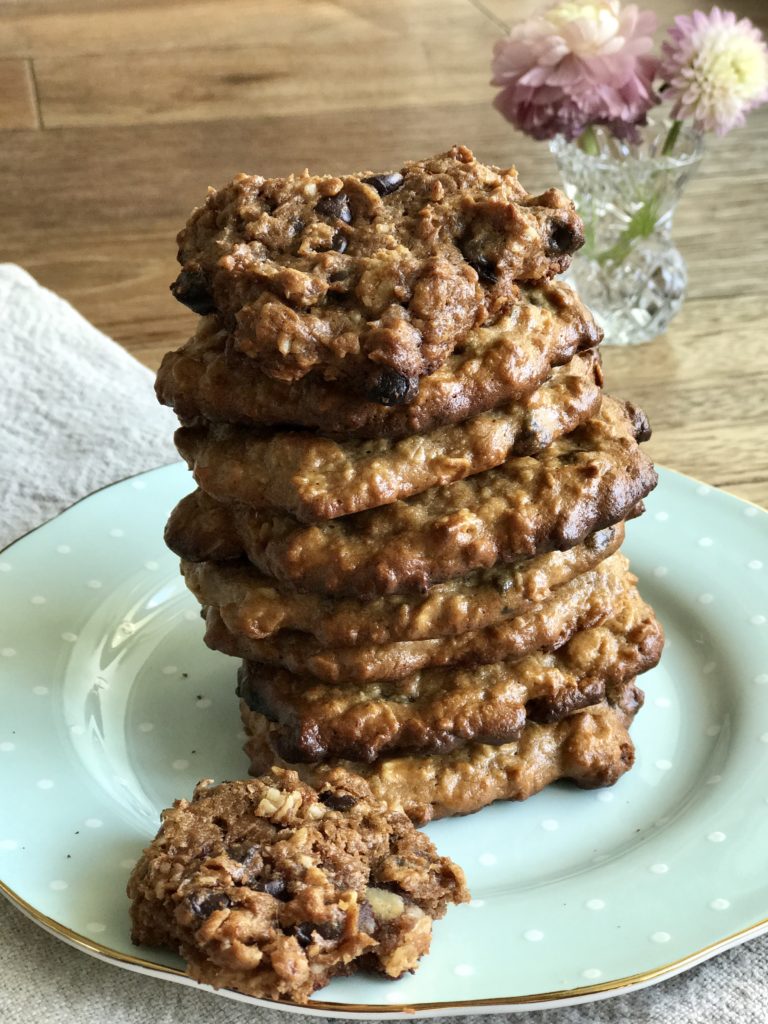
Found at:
(112, 707)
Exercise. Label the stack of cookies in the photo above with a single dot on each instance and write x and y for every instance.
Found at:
(412, 490)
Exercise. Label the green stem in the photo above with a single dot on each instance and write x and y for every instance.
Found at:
(588, 141)
(671, 139)
(641, 225)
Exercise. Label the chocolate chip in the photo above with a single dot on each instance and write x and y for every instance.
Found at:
(203, 905)
(191, 289)
(335, 206)
(277, 887)
(564, 239)
(305, 932)
(484, 268)
(392, 388)
(297, 226)
(338, 801)
(384, 183)
(339, 242)
(641, 428)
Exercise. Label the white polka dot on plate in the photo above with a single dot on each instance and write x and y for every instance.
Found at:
(151, 565)
(661, 937)
(550, 825)
(8, 652)
(487, 859)
(663, 765)
(40, 691)
(713, 780)
(605, 796)
(757, 620)
(203, 703)
(170, 670)
(63, 549)
(146, 726)
(37, 599)
(93, 822)
(762, 679)
(703, 489)
(77, 730)
(44, 783)
(660, 570)
(719, 904)
(705, 542)
(128, 863)
(6, 746)
(750, 511)
(706, 598)
(192, 616)
(533, 935)
(475, 904)
(595, 904)
(464, 970)
(661, 517)
(8, 844)
(180, 764)
(716, 837)
(764, 737)
(116, 532)
(5, 566)
(95, 927)
(659, 869)
(138, 485)
(754, 563)
(662, 702)
(69, 637)
(591, 973)
(94, 584)
(58, 885)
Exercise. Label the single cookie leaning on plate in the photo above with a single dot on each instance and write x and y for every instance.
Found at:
(316, 477)
(207, 378)
(591, 747)
(369, 279)
(587, 480)
(270, 888)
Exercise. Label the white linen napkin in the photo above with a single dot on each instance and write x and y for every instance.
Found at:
(77, 413)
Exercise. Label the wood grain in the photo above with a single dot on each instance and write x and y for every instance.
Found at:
(18, 108)
(144, 104)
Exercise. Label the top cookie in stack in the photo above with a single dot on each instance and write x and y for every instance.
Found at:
(411, 488)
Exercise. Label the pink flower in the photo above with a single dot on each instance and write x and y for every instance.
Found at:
(716, 68)
(575, 64)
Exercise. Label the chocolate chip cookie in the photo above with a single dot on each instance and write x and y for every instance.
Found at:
(438, 710)
(591, 747)
(319, 478)
(271, 888)
(587, 480)
(369, 279)
(208, 378)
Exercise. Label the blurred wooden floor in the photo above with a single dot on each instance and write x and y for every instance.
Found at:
(116, 114)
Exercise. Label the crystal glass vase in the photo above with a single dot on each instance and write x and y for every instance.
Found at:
(628, 273)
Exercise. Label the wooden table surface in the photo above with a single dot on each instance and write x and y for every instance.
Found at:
(116, 114)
